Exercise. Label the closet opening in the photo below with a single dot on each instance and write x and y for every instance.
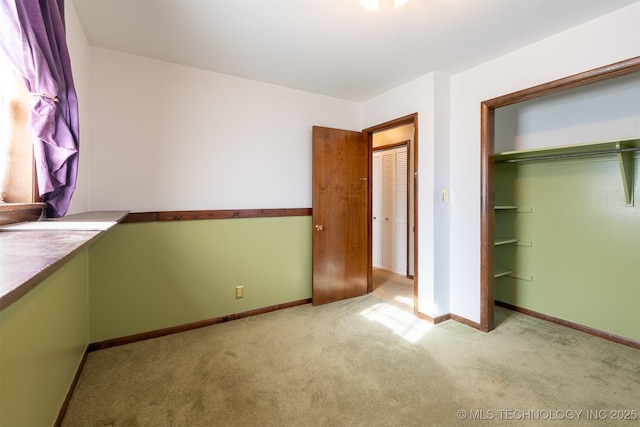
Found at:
(526, 171)
(393, 212)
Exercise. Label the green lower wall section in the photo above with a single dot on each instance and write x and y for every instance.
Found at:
(139, 278)
(585, 242)
(43, 337)
(149, 276)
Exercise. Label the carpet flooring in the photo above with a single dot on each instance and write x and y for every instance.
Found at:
(361, 362)
(393, 288)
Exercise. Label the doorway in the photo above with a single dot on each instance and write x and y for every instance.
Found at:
(487, 177)
(390, 206)
(342, 211)
(393, 266)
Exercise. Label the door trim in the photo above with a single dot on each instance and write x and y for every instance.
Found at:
(401, 121)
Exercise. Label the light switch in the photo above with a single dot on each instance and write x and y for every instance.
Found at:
(445, 195)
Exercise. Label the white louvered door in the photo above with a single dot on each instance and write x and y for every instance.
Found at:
(388, 228)
(376, 208)
(400, 211)
(389, 222)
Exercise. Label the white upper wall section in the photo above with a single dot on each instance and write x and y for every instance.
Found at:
(171, 137)
(417, 96)
(603, 111)
(608, 39)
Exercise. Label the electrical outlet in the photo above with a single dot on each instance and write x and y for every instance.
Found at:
(445, 195)
(239, 292)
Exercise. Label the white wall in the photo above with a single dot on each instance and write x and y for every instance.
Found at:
(166, 137)
(442, 182)
(80, 54)
(610, 38)
(418, 96)
(170, 137)
(604, 111)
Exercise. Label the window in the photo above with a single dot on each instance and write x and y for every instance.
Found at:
(18, 188)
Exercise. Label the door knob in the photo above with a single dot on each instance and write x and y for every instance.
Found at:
(319, 227)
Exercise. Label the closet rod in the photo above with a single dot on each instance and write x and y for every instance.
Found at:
(567, 155)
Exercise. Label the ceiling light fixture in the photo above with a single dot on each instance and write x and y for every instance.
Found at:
(375, 4)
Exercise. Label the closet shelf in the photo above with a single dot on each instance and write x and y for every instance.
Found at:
(562, 151)
(505, 240)
(499, 272)
(502, 272)
(623, 149)
(512, 209)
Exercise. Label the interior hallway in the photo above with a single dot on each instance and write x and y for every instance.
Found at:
(393, 288)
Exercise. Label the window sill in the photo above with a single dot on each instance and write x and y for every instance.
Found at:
(20, 212)
(32, 251)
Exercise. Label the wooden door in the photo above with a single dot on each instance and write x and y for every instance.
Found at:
(340, 214)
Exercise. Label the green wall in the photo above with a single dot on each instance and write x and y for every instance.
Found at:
(585, 242)
(149, 276)
(138, 278)
(43, 337)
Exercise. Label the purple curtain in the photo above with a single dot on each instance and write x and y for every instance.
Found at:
(34, 39)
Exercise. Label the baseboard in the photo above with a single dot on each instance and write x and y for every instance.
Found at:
(586, 329)
(189, 326)
(72, 387)
(465, 321)
(434, 320)
(450, 316)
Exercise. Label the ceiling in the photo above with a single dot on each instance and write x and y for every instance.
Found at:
(330, 47)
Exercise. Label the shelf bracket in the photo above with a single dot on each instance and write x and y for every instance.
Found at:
(625, 159)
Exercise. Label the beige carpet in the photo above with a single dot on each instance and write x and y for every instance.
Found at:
(360, 362)
(393, 288)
